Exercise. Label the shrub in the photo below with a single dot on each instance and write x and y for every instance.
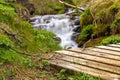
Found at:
(115, 26)
(7, 14)
(86, 18)
(85, 34)
(111, 40)
(5, 42)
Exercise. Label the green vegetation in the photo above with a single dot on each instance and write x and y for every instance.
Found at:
(48, 6)
(86, 33)
(17, 38)
(64, 74)
(104, 15)
(111, 40)
(19, 41)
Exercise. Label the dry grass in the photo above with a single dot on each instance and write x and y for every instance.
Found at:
(45, 6)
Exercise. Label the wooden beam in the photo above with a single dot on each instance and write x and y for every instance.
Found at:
(90, 57)
(89, 63)
(95, 53)
(84, 69)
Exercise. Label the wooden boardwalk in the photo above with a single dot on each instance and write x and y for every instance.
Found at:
(100, 61)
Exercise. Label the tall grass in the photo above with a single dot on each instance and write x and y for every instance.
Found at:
(47, 6)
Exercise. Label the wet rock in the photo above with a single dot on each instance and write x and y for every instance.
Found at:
(77, 22)
(30, 8)
(32, 20)
(74, 36)
(77, 29)
(57, 39)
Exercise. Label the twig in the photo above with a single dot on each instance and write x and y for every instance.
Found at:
(70, 5)
(28, 54)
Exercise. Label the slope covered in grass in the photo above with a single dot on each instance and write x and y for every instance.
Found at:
(104, 16)
(17, 37)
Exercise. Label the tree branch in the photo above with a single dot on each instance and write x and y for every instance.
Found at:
(81, 8)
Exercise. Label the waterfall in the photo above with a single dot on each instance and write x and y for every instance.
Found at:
(61, 25)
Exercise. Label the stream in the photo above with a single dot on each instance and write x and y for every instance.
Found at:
(62, 25)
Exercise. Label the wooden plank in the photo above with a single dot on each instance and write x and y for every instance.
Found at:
(118, 43)
(105, 51)
(114, 45)
(94, 53)
(97, 65)
(109, 48)
(90, 57)
(84, 69)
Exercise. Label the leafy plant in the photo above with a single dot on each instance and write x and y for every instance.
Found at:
(5, 42)
(115, 26)
(111, 40)
(85, 33)
(45, 40)
(61, 74)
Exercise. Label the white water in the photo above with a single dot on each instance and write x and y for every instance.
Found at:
(61, 25)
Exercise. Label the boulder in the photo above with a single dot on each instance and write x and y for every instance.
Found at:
(74, 36)
(77, 29)
(77, 22)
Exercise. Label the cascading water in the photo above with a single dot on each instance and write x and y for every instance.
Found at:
(61, 25)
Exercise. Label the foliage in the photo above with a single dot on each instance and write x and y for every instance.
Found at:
(63, 74)
(86, 18)
(104, 15)
(48, 6)
(115, 26)
(81, 76)
(5, 42)
(7, 14)
(45, 40)
(85, 33)
(111, 40)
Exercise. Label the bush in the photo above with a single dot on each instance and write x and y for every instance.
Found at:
(7, 14)
(5, 42)
(85, 34)
(111, 40)
(115, 26)
(86, 18)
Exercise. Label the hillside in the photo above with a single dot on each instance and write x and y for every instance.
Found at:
(24, 51)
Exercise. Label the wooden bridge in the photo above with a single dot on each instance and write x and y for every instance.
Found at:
(100, 61)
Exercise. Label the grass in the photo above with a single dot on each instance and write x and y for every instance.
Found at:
(48, 6)
(104, 15)
(111, 40)
(17, 66)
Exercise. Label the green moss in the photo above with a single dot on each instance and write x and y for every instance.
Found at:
(85, 34)
(5, 42)
(7, 15)
(45, 40)
(111, 40)
(115, 26)
(48, 7)
(86, 18)
(105, 16)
